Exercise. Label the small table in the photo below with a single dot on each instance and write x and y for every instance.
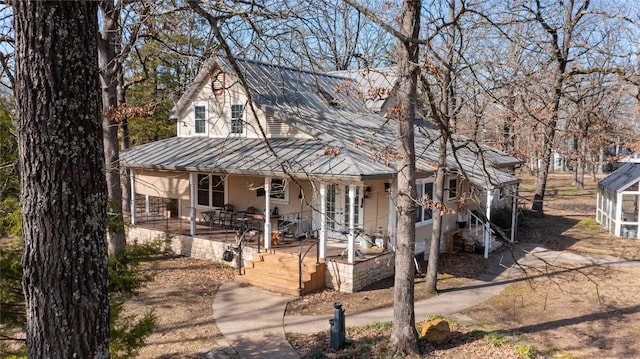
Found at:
(209, 216)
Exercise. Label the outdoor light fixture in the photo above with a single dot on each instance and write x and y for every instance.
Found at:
(367, 191)
(387, 186)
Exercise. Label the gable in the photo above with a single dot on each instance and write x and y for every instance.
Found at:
(620, 179)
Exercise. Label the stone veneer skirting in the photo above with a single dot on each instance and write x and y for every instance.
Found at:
(339, 274)
(351, 278)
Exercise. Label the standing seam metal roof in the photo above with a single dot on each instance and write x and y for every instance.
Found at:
(303, 99)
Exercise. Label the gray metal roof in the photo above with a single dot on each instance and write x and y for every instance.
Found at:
(303, 99)
(620, 179)
(253, 157)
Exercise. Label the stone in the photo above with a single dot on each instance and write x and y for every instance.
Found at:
(436, 332)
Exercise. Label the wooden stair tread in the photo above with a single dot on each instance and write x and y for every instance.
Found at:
(279, 272)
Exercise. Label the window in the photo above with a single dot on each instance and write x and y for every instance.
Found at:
(279, 191)
(210, 190)
(453, 188)
(424, 189)
(237, 121)
(200, 115)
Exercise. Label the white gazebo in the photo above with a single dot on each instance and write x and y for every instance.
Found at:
(618, 199)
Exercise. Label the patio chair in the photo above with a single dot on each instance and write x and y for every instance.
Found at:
(226, 219)
(240, 221)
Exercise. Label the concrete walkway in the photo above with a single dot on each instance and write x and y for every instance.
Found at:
(253, 322)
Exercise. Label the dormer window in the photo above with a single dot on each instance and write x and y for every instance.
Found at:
(237, 119)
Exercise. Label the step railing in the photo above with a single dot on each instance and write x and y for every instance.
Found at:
(302, 256)
(479, 226)
(239, 246)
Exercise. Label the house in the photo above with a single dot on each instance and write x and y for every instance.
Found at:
(303, 149)
(617, 200)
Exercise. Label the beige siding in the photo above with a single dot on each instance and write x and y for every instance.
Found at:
(219, 115)
(163, 184)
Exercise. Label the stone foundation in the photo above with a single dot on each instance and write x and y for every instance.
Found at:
(351, 278)
(339, 275)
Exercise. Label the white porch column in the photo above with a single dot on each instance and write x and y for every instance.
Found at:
(487, 230)
(267, 212)
(323, 221)
(514, 211)
(146, 204)
(192, 204)
(352, 241)
(617, 217)
(391, 226)
(132, 218)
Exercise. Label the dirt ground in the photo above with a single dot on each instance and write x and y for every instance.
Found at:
(181, 298)
(563, 312)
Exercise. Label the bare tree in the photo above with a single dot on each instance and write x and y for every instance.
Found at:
(63, 187)
(404, 335)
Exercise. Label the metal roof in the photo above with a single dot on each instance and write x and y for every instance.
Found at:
(254, 157)
(327, 107)
(620, 179)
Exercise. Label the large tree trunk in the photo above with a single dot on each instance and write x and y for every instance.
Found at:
(404, 337)
(109, 69)
(63, 191)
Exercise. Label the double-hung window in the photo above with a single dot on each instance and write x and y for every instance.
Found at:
(424, 212)
(210, 190)
(278, 192)
(237, 119)
(453, 188)
(200, 116)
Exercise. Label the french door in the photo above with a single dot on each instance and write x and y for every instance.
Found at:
(337, 209)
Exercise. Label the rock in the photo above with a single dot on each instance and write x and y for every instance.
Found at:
(436, 332)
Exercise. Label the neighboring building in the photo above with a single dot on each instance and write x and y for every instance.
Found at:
(617, 200)
(308, 144)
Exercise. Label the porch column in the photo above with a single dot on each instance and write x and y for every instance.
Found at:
(487, 230)
(618, 214)
(146, 204)
(132, 204)
(514, 211)
(352, 241)
(391, 226)
(323, 221)
(267, 212)
(192, 204)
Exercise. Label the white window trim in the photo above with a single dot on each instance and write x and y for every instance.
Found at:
(206, 119)
(286, 191)
(244, 119)
(207, 207)
(420, 184)
(457, 189)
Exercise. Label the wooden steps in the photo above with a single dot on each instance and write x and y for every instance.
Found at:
(279, 272)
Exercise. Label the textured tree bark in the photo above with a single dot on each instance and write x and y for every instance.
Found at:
(63, 192)
(404, 337)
